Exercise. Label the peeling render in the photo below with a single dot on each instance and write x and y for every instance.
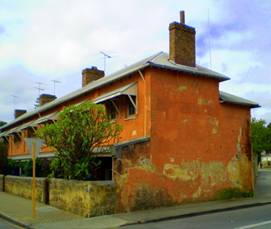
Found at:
(198, 147)
(143, 186)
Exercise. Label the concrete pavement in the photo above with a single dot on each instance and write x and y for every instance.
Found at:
(19, 210)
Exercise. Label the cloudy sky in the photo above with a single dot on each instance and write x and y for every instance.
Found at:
(45, 40)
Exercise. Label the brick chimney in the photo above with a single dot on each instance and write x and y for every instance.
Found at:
(182, 45)
(19, 112)
(46, 98)
(90, 75)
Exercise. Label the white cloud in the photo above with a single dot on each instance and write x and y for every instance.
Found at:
(57, 39)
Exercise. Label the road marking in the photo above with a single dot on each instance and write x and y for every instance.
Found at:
(254, 225)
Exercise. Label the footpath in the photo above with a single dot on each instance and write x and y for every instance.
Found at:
(18, 211)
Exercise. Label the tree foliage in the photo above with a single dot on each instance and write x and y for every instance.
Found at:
(261, 136)
(78, 132)
(2, 123)
(3, 152)
(3, 156)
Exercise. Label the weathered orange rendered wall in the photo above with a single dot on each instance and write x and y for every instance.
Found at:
(198, 145)
(18, 147)
(134, 127)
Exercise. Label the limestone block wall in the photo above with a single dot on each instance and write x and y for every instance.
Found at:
(1, 183)
(22, 186)
(86, 198)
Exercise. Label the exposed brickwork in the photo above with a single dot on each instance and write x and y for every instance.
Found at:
(91, 74)
(182, 48)
(19, 112)
(46, 98)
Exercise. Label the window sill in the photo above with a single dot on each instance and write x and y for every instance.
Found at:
(131, 117)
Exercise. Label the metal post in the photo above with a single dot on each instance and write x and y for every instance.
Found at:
(33, 146)
(33, 180)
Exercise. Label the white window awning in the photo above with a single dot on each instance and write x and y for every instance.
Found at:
(17, 129)
(129, 90)
(43, 119)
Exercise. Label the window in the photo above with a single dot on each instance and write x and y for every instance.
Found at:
(111, 111)
(131, 105)
(16, 138)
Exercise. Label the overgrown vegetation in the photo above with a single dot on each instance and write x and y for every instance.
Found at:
(3, 156)
(77, 134)
(261, 136)
(233, 193)
(3, 152)
(24, 167)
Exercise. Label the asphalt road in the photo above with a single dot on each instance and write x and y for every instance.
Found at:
(263, 184)
(254, 217)
(7, 225)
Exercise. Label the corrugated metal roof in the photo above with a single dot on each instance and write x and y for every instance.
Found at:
(229, 98)
(113, 94)
(162, 61)
(33, 123)
(159, 60)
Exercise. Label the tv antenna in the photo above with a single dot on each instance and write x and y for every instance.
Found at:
(39, 88)
(54, 83)
(106, 56)
(14, 98)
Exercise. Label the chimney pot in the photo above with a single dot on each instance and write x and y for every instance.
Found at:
(91, 74)
(19, 112)
(182, 16)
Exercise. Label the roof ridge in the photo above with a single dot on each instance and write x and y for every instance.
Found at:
(155, 56)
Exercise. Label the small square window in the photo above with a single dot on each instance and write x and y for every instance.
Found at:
(132, 106)
(111, 111)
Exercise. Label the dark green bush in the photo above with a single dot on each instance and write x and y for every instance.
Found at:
(233, 193)
(24, 167)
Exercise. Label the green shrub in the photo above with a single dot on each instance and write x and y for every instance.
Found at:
(77, 135)
(24, 167)
(233, 193)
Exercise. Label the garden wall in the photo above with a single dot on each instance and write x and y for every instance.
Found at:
(86, 198)
(1, 183)
(22, 186)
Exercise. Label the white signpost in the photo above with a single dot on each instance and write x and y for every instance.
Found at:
(33, 147)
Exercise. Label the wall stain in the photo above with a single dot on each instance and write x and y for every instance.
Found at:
(203, 101)
(182, 88)
(213, 121)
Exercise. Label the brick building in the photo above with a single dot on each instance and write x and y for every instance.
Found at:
(182, 139)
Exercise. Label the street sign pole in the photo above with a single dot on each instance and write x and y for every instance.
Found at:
(34, 147)
(34, 179)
